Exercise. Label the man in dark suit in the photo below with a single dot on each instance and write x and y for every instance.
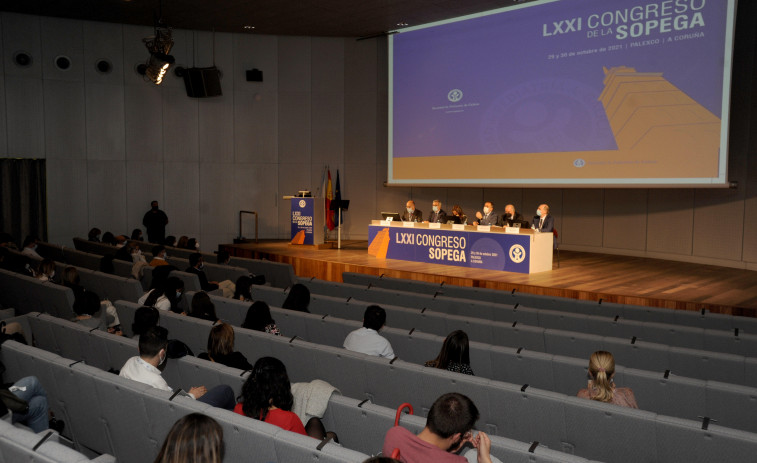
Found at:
(487, 217)
(543, 221)
(511, 216)
(197, 266)
(437, 213)
(411, 214)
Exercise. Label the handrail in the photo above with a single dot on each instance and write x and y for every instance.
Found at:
(256, 223)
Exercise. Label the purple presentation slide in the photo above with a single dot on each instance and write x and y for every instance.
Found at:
(528, 80)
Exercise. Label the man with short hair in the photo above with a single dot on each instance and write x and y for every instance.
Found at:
(366, 340)
(159, 256)
(155, 222)
(411, 214)
(449, 426)
(147, 366)
(437, 213)
(488, 217)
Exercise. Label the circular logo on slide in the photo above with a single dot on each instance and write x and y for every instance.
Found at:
(455, 95)
(517, 253)
(579, 163)
(302, 203)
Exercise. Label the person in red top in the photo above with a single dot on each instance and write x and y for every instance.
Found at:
(448, 428)
(267, 396)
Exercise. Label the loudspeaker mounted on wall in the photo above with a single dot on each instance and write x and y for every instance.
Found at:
(201, 82)
(254, 75)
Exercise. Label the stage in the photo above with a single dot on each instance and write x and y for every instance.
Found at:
(621, 279)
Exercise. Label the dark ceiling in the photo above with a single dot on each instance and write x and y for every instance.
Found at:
(335, 18)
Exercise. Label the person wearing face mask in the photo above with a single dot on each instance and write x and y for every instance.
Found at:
(411, 214)
(160, 255)
(197, 266)
(146, 368)
(155, 222)
(487, 217)
(511, 216)
(542, 220)
(437, 213)
(30, 247)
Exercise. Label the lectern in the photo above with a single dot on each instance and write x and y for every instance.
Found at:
(307, 216)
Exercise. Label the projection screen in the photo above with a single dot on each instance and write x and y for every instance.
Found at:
(564, 93)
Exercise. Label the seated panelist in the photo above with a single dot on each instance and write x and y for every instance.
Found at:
(487, 217)
(510, 216)
(437, 213)
(411, 214)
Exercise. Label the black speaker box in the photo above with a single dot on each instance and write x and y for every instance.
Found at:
(254, 75)
(202, 82)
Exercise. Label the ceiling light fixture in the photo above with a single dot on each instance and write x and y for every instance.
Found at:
(159, 46)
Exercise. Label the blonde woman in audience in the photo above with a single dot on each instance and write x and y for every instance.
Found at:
(195, 438)
(601, 386)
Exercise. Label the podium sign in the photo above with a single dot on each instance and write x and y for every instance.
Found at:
(307, 220)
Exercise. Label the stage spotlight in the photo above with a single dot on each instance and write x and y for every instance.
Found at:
(159, 46)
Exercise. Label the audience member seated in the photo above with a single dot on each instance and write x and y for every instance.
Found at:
(223, 258)
(108, 238)
(71, 280)
(194, 438)
(449, 426)
(166, 296)
(170, 241)
(45, 270)
(380, 459)
(144, 318)
(121, 241)
(366, 340)
(202, 307)
(147, 366)
(193, 244)
(7, 241)
(221, 348)
(454, 355)
(458, 216)
(197, 266)
(159, 256)
(36, 417)
(259, 318)
(29, 248)
(601, 386)
(267, 396)
(298, 298)
(126, 252)
(242, 289)
(136, 235)
(182, 243)
(94, 235)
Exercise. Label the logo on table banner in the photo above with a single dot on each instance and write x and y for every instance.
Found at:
(579, 163)
(302, 203)
(517, 253)
(455, 95)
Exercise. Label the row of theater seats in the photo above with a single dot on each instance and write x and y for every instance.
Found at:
(556, 373)
(277, 274)
(22, 445)
(520, 412)
(85, 393)
(110, 414)
(732, 405)
(702, 319)
(630, 352)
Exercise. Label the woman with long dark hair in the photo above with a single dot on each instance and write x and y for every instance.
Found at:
(259, 319)
(455, 355)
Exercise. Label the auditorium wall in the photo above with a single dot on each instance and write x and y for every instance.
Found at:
(113, 142)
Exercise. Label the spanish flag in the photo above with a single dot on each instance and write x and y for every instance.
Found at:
(329, 197)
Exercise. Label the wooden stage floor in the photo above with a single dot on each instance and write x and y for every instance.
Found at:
(621, 279)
